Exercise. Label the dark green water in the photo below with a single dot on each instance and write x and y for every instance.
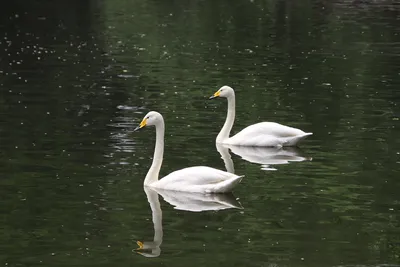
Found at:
(75, 77)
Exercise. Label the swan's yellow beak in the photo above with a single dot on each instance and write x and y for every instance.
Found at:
(140, 244)
(141, 125)
(216, 94)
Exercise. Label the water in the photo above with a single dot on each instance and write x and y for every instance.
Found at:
(77, 77)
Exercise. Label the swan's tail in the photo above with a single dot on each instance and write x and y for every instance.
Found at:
(225, 186)
(294, 140)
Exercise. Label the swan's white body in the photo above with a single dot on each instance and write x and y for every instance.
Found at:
(270, 134)
(199, 179)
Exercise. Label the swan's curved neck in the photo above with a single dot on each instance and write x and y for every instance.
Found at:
(230, 118)
(152, 174)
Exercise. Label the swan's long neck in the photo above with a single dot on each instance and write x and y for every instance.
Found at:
(230, 118)
(152, 174)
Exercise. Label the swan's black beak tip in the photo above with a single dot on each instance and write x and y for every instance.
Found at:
(137, 129)
(211, 97)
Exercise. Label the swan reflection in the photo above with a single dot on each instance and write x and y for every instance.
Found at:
(265, 156)
(199, 202)
(152, 248)
(182, 201)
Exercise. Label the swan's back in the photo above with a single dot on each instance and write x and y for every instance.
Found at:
(200, 179)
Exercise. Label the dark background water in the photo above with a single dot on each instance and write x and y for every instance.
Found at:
(76, 76)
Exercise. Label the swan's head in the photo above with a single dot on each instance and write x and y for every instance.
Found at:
(148, 250)
(151, 118)
(224, 91)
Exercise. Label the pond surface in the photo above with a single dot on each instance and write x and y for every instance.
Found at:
(76, 77)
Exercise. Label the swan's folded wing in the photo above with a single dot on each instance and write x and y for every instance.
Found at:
(273, 128)
(198, 179)
(268, 134)
(199, 175)
(255, 139)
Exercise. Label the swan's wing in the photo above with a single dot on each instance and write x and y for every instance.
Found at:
(268, 134)
(293, 140)
(255, 139)
(198, 175)
(199, 179)
(272, 128)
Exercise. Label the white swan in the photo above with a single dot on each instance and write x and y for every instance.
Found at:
(182, 201)
(260, 134)
(199, 179)
(264, 156)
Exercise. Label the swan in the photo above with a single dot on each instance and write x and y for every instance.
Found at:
(181, 201)
(260, 134)
(198, 179)
(264, 156)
